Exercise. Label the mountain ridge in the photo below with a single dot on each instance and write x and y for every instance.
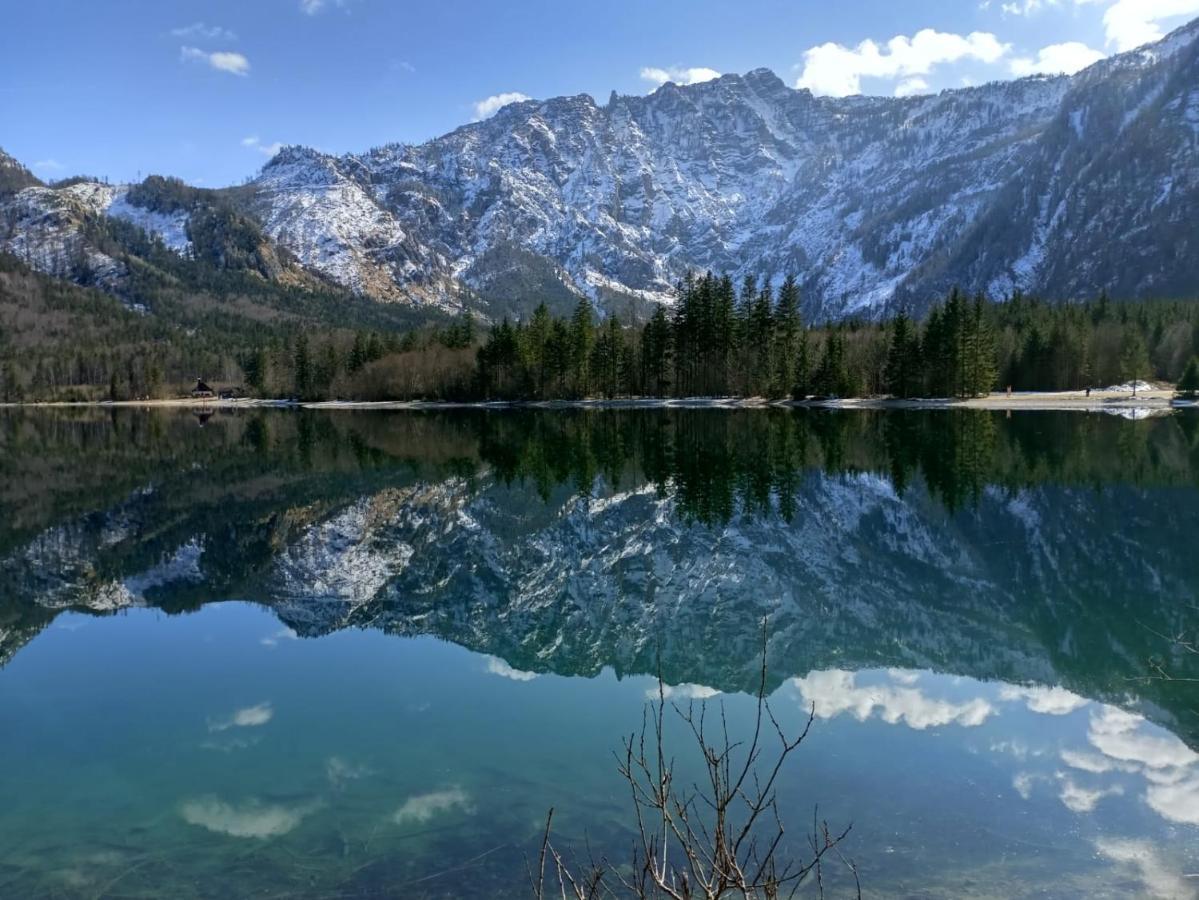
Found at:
(877, 203)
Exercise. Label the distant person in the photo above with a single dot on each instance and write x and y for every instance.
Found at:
(1088, 392)
(1009, 392)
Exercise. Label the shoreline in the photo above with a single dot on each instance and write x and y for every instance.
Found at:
(1121, 402)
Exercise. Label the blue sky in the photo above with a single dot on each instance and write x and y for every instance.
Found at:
(204, 89)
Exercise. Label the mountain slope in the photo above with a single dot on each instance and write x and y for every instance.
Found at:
(877, 203)
(874, 201)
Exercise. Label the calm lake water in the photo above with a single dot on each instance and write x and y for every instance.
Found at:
(352, 654)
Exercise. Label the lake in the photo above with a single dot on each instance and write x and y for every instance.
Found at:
(362, 654)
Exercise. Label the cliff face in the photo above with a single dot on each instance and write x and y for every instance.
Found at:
(1062, 186)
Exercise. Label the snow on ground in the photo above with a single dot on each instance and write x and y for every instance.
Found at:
(1129, 386)
(170, 227)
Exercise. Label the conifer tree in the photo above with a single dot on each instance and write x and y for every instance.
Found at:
(302, 368)
(786, 337)
(1134, 359)
(582, 339)
(903, 367)
(1188, 385)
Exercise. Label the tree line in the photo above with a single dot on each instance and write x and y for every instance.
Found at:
(724, 341)
(63, 342)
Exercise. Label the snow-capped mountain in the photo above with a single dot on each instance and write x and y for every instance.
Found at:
(874, 201)
(1063, 186)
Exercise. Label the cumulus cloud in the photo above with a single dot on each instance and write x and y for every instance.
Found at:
(249, 820)
(683, 692)
(1022, 783)
(199, 31)
(911, 87)
(1159, 879)
(838, 70)
(1119, 735)
(1079, 799)
(836, 691)
(421, 808)
(1094, 763)
(249, 717)
(1176, 799)
(221, 60)
(489, 106)
(679, 75)
(1052, 701)
(1056, 59)
(496, 666)
(1128, 24)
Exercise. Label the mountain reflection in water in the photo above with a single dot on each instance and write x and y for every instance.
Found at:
(1002, 577)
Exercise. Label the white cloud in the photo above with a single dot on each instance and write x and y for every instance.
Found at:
(1022, 783)
(679, 75)
(1056, 59)
(683, 692)
(1127, 24)
(837, 70)
(491, 105)
(1176, 800)
(283, 634)
(423, 807)
(1094, 763)
(911, 87)
(250, 820)
(1155, 875)
(1052, 701)
(199, 31)
(1079, 799)
(836, 691)
(496, 666)
(1130, 23)
(221, 60)
(254, 143)
(249, 717)
(48, 165)
(312, 7)
(1118, 735)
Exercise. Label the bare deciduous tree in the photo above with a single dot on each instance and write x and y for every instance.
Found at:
(714, 839)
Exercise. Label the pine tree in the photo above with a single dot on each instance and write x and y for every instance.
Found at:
(302, 368)
(903, 358)
(786, 337)
(582, 339)
(1188, 385)
(655, 354)
(357, 357)
(980, 344)
(761, 326)
(803, 366)
(1134, 358)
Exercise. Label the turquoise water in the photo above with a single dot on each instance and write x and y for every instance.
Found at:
(350, 655)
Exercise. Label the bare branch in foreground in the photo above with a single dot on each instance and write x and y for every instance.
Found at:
(719, 838)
